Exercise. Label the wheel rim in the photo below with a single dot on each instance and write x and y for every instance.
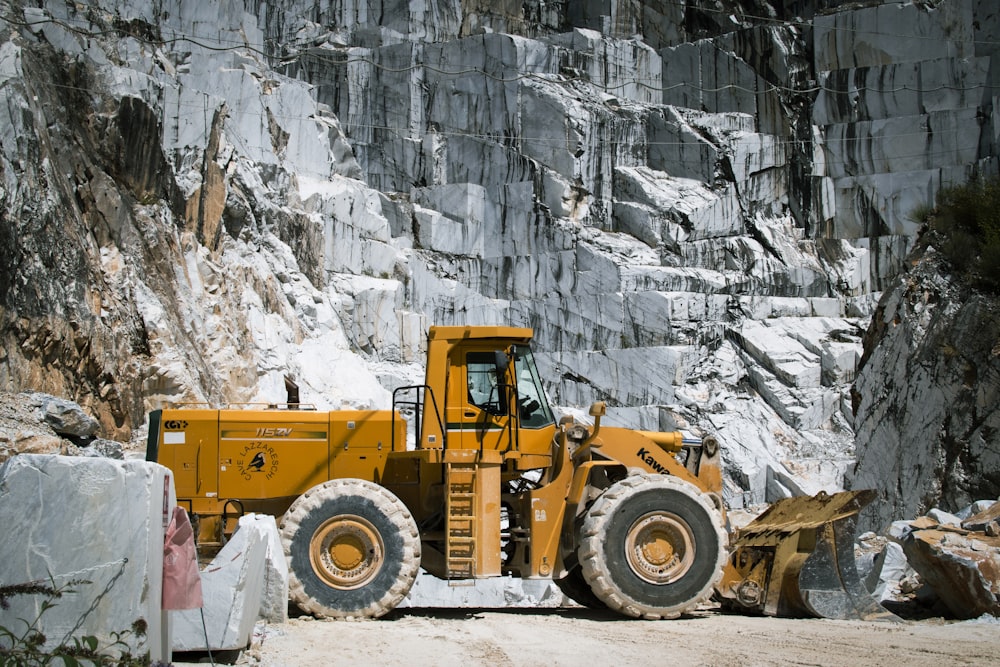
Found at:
(660, 547)
(346, 552)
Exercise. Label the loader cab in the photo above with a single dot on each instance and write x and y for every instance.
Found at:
(487, 387)
(505, 383)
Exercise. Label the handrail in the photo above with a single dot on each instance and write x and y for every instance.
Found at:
(418, 405)
(513, 413)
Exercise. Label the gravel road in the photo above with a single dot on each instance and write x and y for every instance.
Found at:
(580, 637)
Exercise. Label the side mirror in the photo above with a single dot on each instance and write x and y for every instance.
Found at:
(598, 409)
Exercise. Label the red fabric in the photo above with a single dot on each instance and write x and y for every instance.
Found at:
(181, 579)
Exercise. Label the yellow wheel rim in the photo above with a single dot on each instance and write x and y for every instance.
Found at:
(346, 552)
(660, 547)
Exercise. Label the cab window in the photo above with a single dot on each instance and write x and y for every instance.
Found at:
(482, 382)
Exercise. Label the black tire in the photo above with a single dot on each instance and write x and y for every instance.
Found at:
(652, 546)
(353, 550)
(576, 588)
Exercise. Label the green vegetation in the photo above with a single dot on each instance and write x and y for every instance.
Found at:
(966, 223)
(25, 646)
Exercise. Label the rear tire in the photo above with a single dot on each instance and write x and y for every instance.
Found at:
(652, 546)
(353, 550)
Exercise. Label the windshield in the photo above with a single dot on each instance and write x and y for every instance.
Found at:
(533, 407)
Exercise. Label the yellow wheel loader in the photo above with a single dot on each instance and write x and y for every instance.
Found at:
(470, 476)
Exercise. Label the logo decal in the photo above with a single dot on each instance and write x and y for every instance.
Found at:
(257, 458)
(273, 432)
(648, 459)
(175, 425)
(257, 464)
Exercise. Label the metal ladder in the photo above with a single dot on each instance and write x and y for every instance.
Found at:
(460, 520)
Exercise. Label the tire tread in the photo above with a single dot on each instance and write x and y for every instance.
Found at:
(393, 510)
(594, 529)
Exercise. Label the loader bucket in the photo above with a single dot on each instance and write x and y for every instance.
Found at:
(797, 559)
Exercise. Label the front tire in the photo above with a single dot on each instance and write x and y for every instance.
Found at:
(652, 546)
(353, 550)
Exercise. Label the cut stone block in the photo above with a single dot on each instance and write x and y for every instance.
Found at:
(233, 587)
(429, 591)
(94, 526)
(274, 600)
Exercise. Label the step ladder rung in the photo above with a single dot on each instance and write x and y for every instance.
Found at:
(460, 520)
(458, 582)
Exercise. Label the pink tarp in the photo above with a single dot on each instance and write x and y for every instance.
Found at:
(181, 578)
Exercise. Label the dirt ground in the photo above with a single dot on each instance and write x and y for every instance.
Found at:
(549, 637)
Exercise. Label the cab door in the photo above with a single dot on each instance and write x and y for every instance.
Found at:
(479, 412)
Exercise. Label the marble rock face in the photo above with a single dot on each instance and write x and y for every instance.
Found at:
(695, 211)
(926, 402)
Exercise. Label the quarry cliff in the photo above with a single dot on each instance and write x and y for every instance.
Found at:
(703, 209)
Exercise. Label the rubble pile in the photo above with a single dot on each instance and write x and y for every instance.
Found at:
(937, 563)
(38, 423)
